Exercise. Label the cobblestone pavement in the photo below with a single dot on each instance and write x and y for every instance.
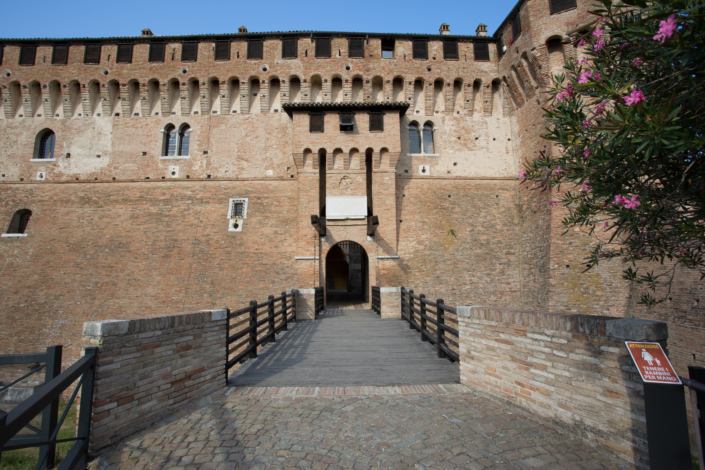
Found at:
(393, 429)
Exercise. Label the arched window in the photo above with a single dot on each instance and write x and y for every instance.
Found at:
(19, 221)
(169, 145)
(45, 149)
(184, 139)
(427, 138)
(414, 138)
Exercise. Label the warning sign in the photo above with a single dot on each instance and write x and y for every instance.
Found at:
(652, 363)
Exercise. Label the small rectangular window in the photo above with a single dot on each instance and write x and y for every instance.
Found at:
(254, 49)
(450, 50)
(156, 51)
(27, 54)
(315, 123)
(516, 26)
(60, 54)
(238, 209)
(356, 47)
(124, 54)
(387, 48)
(289, 48)
(420, 49)
(558, 6)
(189, 51)
(482, 51)
(347, 122)
(376, 122)
(91, 54)
(222, 50)
(323, 47)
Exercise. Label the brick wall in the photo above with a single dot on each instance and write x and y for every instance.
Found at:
(572, 369)
(150, 366)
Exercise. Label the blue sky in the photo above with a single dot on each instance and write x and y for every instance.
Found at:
(82, 18)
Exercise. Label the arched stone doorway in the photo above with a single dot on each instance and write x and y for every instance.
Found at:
(347, 273)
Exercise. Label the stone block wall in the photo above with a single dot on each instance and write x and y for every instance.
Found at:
(150, 366)
(390, 302)
(572, 369)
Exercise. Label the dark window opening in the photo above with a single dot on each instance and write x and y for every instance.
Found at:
(254, 49)
(414, 139)
(222, 50)
(184, 140)
(124, 54)
(376, 122)
(289, 48)
(420, 49)
(60, 54)
(516, 26)
(387, 48)
(347, 122)
(323, 47)
(189, 52)
(500, 47)
(46, 145)
(238, 209)
(482, 51)
(2, 52)
(156, 51)
(27, 54)
(450, 50)
(19, 221)
(91, 54)
(315, 123)
(356, 47)
(558, 6)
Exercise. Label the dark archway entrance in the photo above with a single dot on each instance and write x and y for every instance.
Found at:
(347, 273)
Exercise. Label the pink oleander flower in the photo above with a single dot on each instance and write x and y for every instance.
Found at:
(522, 175)
(583, 78)
(666, 29)
(551, 203)
(598, 32)
(635, 97)
(599, 108)
(607, 224)
(597, 76)
(540, 157)
(618, 200)
(558, 170)
(586, 124)
(560, 96)
(581, 43)
(600, 44)
(586, 154)
(575, 62)
(631, 203)
(586, 188)
(584, 60)
(638, 62)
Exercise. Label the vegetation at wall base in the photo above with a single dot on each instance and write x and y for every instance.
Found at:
(626, 120)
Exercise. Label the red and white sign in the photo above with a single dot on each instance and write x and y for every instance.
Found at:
(652, 363)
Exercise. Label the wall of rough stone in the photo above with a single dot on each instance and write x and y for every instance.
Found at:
(150, 366)
(572, 369)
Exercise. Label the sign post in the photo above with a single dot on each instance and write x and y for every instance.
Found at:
(664, 402)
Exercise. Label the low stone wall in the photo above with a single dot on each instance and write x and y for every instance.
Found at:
(390, 302)
(149, 366)
(573, 369)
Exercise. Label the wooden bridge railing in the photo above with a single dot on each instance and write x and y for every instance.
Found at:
(263, 320)
(318, 300)
(415, 310)
(376, 301)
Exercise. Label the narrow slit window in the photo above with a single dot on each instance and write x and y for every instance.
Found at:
(184, 140)
(60, 54)
(387, 48)
(346, 122)
(450, 50)
(156, 51)
(124, 54)
(315, 122)
(2, 52)
(376, 122)
(427, 138)
(482, 51)
(516, 26)
(222, 50)
(356, 47)
(189, 52)
(91, 54)
(420, 49)
(254, 49)
(323, 47)
(289, 48)
(414, 139)
(28, 53)
(558, 6)
(169, 141)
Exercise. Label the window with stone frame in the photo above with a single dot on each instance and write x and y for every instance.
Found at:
(421, 140)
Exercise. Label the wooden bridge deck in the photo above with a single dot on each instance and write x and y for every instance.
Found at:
(346, 348)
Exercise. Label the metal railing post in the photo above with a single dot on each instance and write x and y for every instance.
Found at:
(411, 309)
(440, 320)
(253, 331)
(284, 312)
(50, 415)
(227, 346)
(270, 315)
(422, 320)
(86, 407)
